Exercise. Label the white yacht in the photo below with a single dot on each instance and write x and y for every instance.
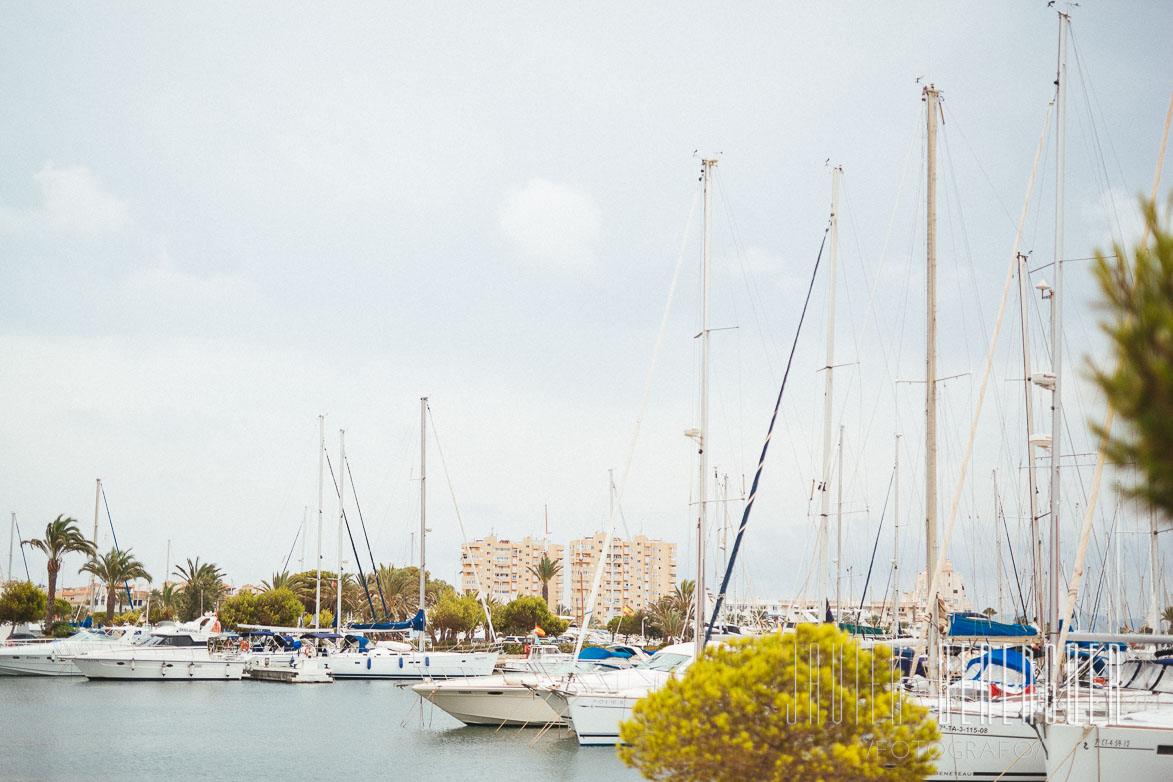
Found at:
(177, 652)
(359, 658)
(513, 697)
(54, 658)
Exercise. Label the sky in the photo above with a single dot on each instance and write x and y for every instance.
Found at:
(218, 222)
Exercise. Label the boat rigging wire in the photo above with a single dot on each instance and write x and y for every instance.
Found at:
(371, 554)
(353, 547)
(289, 556)
(765, 446)
(22, 554)
(110, 519)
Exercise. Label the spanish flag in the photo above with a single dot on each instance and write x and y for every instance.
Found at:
(628, 611)
(539, 632)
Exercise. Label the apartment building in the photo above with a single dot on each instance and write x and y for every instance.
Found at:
(77, 597)
(504, 567)
(638, 573)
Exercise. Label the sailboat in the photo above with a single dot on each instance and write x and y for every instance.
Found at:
(395, 659)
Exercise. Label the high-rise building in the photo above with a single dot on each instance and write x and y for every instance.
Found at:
(504, 568)
(638, 573)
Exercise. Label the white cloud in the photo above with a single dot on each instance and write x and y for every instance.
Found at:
(73, 201)
(551, 225)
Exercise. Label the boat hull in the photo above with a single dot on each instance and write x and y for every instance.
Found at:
(156, 669)
(1090, 753)
(490, 701)
(411, 665)
(37, 665)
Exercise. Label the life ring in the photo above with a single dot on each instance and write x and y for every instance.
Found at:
(308, 651)
(244, 646)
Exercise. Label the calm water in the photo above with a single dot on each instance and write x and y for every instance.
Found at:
(75, 729)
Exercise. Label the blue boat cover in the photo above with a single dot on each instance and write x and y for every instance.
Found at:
(596, 653)
(970, 624)
(417, 622)
(1011, 659)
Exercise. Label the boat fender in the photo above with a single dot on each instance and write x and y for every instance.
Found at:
(267, 662)
(368, 663)
(400, 662)
(291, 660)
(427, 662)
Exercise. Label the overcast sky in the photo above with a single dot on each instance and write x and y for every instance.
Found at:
(219, 221)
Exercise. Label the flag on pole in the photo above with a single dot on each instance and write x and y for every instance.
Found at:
(628, 611)
(539, 632)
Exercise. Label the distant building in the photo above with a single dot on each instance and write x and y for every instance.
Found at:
(952, 590)
(504, 568)
(638, 573)
(77, 597)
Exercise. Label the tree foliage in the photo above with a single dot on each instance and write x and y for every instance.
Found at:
(21, 601)
(62, 536)
(1137, 290)
(114, 569)
(545, 572)
(522, 614)
(804, 706)
(455, 614)
(203, 590)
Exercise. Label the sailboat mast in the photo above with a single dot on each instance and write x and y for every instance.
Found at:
(91, 594)
(839, 532)
(896, 543)
(341, 522)
(321, 483)
(11, 538)
(1154, 573)
(305, 514)
(702, 439)
(828, 397)
(1057, 326)
(1036, 541)
(423, 505)
(931, 96)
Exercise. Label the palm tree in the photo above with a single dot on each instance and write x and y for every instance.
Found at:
(1168, 615)
(278, 581)
(112, 569)
(166, 600)
(545, 571)
(682, 598)
(61, 537)
(204, 588)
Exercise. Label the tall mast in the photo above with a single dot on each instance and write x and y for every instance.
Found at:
(896, 543)
(341, 521)
(1154, 572)
(931, 97)
(423, 505)
(321, 480)
(828, 396)
(839, 532)
(92, 592)
(1036, 541)
(1057, 326)
(702, 441)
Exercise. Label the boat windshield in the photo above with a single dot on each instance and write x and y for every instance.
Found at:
(172, 640)
(666, 662)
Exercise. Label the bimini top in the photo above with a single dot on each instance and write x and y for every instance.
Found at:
(417, 622)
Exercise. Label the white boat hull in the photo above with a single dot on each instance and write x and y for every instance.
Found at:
(490, 701)
(154, 668)
(36, 664)
(596, 718)
(978, 747)
(1090, 753)
(383, 664)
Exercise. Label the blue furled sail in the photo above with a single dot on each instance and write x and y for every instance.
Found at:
(753, 492)
(970, 625)
(417, 622)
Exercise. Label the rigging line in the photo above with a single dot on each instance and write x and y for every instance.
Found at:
(875, 546)
(765, 446)
(1077, 571)
(598, 579)
(371, 554)
(22, 554)
(285, 565)
(1013, 563)
(353, 547)
(460, 520)
(110, 519)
